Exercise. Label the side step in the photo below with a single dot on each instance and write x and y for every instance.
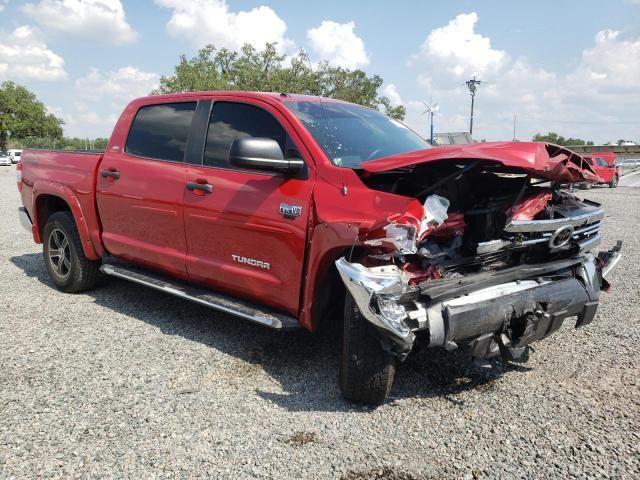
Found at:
(217, 301)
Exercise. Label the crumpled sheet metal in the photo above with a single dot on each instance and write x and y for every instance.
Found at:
(540, 160)
(402, 232)
(529, 207)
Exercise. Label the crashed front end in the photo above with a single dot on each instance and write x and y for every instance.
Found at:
(485, 258)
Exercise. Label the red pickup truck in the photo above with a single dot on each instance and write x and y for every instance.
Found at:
(605, 166)
(279, 208)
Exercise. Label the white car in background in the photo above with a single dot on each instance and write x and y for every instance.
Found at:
(4, 159)
(14, 155)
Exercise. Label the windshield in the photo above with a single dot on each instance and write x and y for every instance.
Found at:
(350, 134)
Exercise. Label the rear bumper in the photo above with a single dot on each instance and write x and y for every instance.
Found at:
(25, 219)
(496, 313)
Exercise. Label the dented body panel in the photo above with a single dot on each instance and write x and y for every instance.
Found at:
(541, 160)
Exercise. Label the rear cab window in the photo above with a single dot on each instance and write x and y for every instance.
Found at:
(160, 131)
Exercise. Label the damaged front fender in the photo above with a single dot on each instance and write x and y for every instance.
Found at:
(375, 291)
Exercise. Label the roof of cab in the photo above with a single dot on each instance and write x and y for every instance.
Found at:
(281, 97)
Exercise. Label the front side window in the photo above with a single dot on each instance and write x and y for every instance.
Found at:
(160, 131)
(350, 134)
(601, 162)
(232, 121)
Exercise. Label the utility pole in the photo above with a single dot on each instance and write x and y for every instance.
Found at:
(515, 119)
(473, 87)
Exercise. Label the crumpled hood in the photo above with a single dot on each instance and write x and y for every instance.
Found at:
(540, 160)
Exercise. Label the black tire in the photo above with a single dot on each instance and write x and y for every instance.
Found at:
(69, 270)
(614, 182)
(366, 370)
(586, 186)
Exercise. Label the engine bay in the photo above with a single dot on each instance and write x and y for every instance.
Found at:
(474, 216)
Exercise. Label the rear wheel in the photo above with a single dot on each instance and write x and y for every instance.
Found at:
(69, 269)
(614, 182)
(366, 371)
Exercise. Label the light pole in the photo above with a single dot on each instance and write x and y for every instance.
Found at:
(473, 87)
(431, 110)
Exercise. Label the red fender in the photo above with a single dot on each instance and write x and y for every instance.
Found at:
(45, 187)
(328, 241)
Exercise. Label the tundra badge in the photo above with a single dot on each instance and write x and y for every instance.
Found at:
(290, 211)
(251, 261)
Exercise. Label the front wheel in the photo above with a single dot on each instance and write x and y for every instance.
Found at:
(69, 269)
(614, 182)
(366, 371)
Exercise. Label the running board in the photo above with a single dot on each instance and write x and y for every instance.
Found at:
(217, 301)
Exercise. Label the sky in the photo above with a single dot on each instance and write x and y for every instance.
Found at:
(568, 66)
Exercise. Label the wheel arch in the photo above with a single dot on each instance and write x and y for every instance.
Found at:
(51, 198)
(323, 288)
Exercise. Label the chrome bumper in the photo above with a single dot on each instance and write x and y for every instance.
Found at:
(25, 219)
(533, 305)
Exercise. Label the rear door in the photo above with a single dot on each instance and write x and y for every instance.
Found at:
(140, 187)
(242, 236)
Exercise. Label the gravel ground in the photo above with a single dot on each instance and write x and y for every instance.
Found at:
(128, 382)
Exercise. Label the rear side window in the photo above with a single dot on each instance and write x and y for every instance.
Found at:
(230, 121)
(160, 131)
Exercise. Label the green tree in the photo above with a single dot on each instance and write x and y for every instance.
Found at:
(64, 143)
(556, 139)
(268, 71)
(22, 115)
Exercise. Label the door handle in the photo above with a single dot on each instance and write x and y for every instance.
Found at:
(110, 175)
(200, 186)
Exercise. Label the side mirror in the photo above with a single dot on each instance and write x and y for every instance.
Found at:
(264, 154)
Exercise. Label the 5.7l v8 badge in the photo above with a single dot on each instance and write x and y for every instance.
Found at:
(290, 211)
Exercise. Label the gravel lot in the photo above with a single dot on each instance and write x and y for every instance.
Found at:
(128, 382)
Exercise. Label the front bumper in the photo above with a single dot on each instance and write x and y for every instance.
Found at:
(25, 219)
(492, 313)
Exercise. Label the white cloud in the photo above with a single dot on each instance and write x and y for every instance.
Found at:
(595, 100)
(100, 20)
(338, 44)
(119, 86)
(391, 92)
(24, 55)
(3, 3)
(99, 98)
(460, 49)
(211, 21)
(612, 61)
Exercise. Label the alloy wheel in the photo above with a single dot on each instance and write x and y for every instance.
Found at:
(59, 253)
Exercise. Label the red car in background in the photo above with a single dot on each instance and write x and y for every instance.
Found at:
(604, 164)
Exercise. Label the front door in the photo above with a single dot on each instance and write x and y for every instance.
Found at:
(139, 190)
(246, 230)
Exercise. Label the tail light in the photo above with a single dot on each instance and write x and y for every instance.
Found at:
(19, 175)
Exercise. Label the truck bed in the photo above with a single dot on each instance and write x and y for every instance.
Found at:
(54, 171)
